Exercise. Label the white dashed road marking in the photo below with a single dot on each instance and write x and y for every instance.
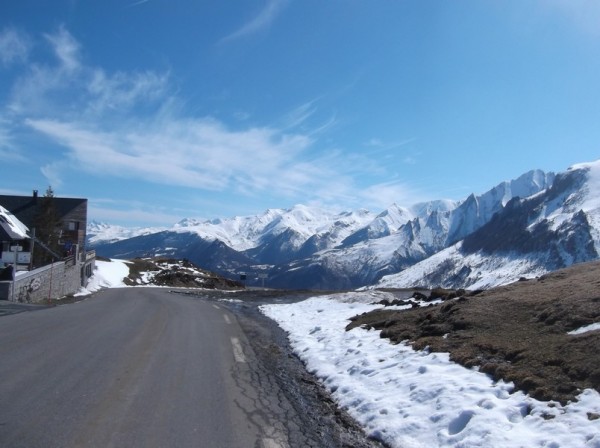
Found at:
(227, 320)
(238, 353)
(216, 307)
(271, 443)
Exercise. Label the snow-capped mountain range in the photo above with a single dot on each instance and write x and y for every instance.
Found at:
(524, 227)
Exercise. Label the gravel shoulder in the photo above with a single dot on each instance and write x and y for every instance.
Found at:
(517, 332)
(320, 423)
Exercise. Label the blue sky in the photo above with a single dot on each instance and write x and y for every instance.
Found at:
(157, 110)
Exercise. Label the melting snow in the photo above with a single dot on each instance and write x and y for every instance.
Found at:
(108, 274)
(409, 398)
(586, 329)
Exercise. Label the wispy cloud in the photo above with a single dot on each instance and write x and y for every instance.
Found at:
(376, 144)
(139, 2)
(70, 85)
(299, 115)
(121, 125)
(139, 214)
(8, 149)
(262, 21)
(387, 193)
(584, 14)
(302, 118)
(14, 46)
(197, 153)
(125, 89)
(66, 49)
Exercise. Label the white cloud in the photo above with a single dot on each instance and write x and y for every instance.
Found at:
(131, 215)
(14, 46)
(124, 125)
(124, 89)
(139, 2)
(66, 49)
(71, 87)
(203, 154)
(387, 193)
(8, 149)
(198, 153)
(262, 21)
(300, 114)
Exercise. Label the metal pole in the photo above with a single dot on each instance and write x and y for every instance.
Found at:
(50, 290)
(31, 249)
(14, 274)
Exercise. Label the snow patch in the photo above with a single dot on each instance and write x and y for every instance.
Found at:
(409, 398)
(108, 274)
(586, 329)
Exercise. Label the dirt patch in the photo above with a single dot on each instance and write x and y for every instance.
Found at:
(517, 333)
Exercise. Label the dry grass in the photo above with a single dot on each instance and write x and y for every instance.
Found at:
(517, 332)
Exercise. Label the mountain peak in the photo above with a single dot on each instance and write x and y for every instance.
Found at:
(527, 225)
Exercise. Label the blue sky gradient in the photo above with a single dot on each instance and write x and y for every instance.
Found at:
(158, 110)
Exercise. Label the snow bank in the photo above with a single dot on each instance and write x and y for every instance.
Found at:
(410, 398)
(108, 274)
(585, 329)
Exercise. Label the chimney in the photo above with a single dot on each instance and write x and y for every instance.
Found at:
(35, 195)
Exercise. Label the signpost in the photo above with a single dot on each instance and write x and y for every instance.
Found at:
(16, 250)
(263, 277)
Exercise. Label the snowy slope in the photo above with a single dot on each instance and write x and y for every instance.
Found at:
(550, 230)
(450, 268)
(100, 232)
(553, 219)
(384, 224)
(302, 222)
(400, 237)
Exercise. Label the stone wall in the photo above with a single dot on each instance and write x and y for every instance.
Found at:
(49, 282)
(41, 284)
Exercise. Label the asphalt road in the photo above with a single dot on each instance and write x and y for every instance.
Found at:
(134, 367)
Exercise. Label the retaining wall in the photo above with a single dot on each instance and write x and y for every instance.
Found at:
(49, 282)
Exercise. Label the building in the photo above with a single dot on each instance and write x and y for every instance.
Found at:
(58, 269)
(16, 244)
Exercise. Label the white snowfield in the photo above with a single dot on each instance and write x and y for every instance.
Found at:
(411, 399)
(486, 271)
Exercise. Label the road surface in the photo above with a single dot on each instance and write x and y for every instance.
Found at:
(135, 367)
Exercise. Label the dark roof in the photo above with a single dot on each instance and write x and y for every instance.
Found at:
(25, 208)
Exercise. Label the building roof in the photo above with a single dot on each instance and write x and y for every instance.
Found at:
(11, 228)
(26, 208)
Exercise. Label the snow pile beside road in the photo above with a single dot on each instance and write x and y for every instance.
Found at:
(409, 398)
(108, 274)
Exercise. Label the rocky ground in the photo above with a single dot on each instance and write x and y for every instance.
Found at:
(516, 332)
(175, 273)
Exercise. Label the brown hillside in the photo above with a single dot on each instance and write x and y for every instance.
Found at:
(516, 332)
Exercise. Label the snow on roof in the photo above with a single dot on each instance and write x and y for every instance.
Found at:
(14, 228)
